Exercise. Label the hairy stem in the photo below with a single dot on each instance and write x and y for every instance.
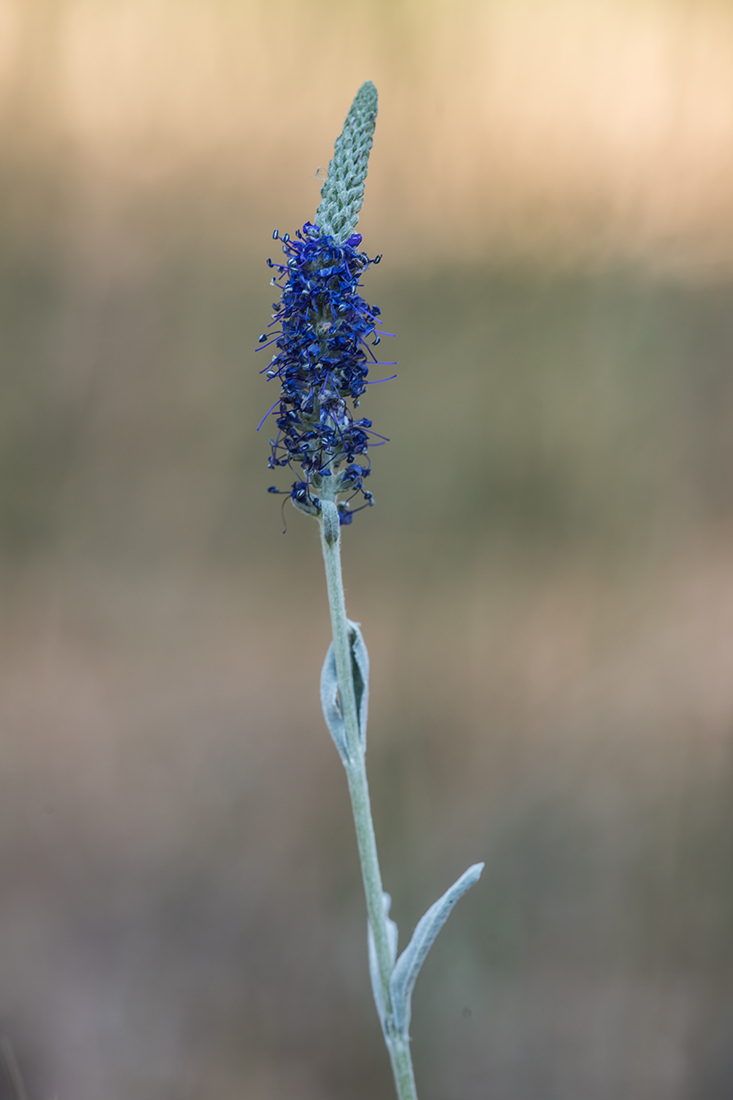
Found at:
(399, 1049)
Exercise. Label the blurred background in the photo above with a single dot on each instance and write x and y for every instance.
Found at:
(545, 585)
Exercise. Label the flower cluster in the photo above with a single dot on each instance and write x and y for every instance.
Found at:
(324, 349)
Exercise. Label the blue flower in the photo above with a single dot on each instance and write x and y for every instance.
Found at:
(324, 341)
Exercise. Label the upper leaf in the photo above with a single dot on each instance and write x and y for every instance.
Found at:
(331, 695)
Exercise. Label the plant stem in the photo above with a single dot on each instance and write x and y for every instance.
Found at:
(399, 1048)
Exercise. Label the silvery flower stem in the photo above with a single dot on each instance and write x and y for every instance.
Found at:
(399, 1049)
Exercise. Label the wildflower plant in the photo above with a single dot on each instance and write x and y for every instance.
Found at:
(323, 333)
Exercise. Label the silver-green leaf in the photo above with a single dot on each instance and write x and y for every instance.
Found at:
(392, 938)
(330, 704)
(408, 965)
(360, 671)
(330, 697)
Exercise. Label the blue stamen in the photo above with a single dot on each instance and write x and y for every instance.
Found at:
(264, 418)
(262, 348)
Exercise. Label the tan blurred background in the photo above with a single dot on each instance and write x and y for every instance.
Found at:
(545, 585)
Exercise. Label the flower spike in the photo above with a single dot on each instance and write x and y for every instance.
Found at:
(326, 332)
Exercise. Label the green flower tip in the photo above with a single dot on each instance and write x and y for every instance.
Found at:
(343, 192)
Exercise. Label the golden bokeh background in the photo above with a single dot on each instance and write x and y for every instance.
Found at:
(545, 585)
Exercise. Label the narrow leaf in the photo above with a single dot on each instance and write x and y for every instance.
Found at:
(331, 699)
(360, 670)
(408, 965)
(392, 938)
(330, 704)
